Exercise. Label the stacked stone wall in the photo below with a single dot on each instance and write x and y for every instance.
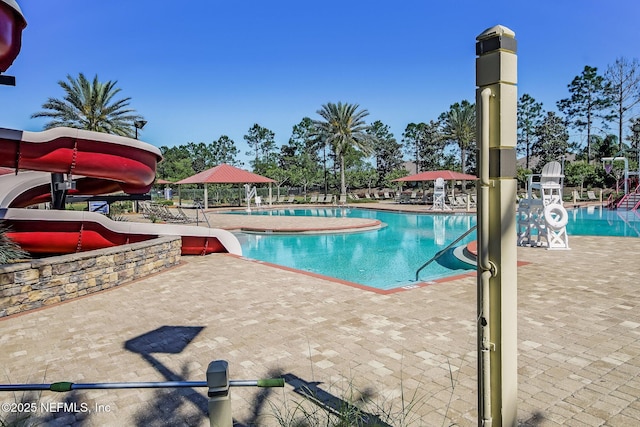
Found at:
(40, 282)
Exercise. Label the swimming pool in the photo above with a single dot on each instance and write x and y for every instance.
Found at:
(389, 257)
(598, 221)
(385, 259)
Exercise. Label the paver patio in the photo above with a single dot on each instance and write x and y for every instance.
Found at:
(579, 341)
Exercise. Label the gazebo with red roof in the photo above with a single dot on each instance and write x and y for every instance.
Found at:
(225, 174)
(447, 175)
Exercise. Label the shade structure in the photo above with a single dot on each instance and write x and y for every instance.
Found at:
(163, 181)
(433, 175)
(225, 174)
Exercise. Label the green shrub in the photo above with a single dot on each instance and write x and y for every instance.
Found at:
(10, 251)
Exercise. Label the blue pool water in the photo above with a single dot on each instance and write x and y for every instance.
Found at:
(385, 259)
(389, 257)
(596, 221)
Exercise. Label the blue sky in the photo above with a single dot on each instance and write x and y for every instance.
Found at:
(200, 69)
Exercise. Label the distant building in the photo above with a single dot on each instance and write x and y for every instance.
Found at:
(411, 167)
(534, 160)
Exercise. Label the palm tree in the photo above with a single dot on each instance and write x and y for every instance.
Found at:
(344, 127)
(90, 106)
(459, 127)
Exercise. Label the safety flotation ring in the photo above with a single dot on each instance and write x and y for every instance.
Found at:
(556, 216)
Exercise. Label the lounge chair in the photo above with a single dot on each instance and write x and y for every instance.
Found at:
(329, 198)
(376, 195)
(456, 202)
(591, 195)
(154, 211)
(461, 202)
(576, 196)
(145, 210)
(343, 200)
(168, 216)
(314, 199)
(386, 195)
(291, 199)
(183, 216)
(413, 197)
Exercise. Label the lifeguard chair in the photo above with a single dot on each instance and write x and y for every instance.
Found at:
(549, 183)
(439, 196)
(542, 218)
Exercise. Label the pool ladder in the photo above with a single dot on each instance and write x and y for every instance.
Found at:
(442, 252)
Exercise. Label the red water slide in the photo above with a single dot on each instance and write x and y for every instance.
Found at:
(96, 163)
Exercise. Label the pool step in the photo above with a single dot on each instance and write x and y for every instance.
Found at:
(467, 253)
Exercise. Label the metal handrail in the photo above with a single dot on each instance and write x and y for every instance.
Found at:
(64, 386)
(199, 206)
(442, 252)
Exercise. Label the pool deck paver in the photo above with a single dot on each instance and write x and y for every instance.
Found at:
(578, 341)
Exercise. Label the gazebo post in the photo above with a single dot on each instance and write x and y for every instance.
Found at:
(206, 196)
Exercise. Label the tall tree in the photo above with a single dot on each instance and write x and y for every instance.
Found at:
(90, 105)
(634, 138)
(385, 149)
(315, 149)
(303, 142)
(343, 127)
(413, 138)
(432, 151)
(459, 128)
(200, 155)
(605, 147)
(299, 157)
(425, 142)
(224, 150)
(262, 143)
(590, 101)
(623, 78)
(530, 114)
(551, 139)
(175, 164)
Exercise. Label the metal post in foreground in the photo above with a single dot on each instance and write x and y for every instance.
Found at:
(496, 105)
(219, 400)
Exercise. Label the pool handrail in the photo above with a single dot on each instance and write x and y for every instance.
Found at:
(442, 252)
